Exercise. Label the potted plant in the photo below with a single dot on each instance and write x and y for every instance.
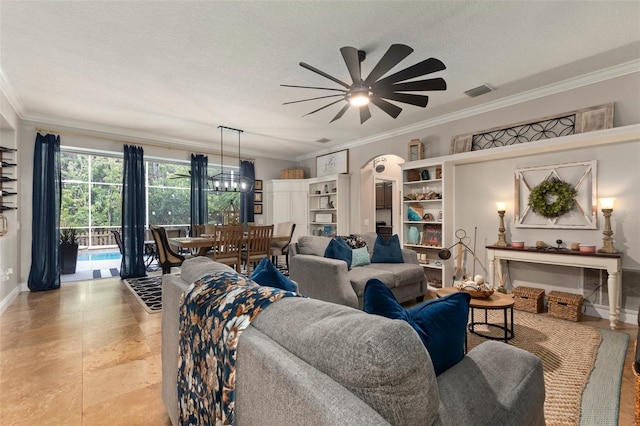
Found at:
(68, 250)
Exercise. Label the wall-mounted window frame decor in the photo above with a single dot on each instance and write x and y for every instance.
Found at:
(583, 120)
(581, 176)
(257, 209)
(257, 185)
(415, 150)
(257, 197)
(332, 163)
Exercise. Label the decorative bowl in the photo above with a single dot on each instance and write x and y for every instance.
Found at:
(517, 244)
(587, 249)
(476, 291)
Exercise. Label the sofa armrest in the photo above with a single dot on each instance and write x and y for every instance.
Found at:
(496, 384)
(410, 256)
(172, 289)
(323, 279)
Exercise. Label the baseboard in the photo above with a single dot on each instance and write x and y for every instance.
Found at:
(626, 316)
(8, 300)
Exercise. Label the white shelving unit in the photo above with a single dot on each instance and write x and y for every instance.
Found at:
(423, 216)
(328, 205)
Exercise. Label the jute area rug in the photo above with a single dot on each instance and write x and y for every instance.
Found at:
(568, 351)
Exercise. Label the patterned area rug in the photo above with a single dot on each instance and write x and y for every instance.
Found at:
(148, 290)
(568, 351)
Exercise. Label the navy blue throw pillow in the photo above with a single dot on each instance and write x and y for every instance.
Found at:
(268, 275)
(338, 249)
(387, 251)
(440, 323)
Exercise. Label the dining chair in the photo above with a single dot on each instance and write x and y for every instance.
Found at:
(228, 245)
(166, 256)
(197, 230)
(258, 245)
(281, 248)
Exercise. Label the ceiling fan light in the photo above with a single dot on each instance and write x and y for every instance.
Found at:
(359, 99)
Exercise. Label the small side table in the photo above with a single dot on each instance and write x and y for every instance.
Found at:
(495, 302)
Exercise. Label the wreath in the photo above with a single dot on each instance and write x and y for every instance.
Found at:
(552, 198)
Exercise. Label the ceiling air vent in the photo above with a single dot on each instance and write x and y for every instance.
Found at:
(480, 90)
(323, 140)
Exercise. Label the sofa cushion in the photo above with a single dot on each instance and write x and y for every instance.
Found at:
(267, 274)
(310, 244)
(404, 273)
(360, 257)
(338, 249)
(381, 361)
(195, 268)
(387, 251)
(440, 323)
(359, 277)
(354, 241)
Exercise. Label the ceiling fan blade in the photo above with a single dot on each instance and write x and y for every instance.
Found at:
(350, 56)
(341, 112)
(313, 87)
(311, 99)
(407, 98)
(427, 66)
(394, 55)
(418, 85)
(321, 108)
(391, 109)
(365, 113)
(324, 74)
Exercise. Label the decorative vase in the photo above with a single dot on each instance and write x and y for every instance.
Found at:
(414, 235)
(424, 175)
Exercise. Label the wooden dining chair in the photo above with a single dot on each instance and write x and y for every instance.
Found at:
(197, 230)
(281, 248)
(258, 245)
(166, 256)
(228, 245)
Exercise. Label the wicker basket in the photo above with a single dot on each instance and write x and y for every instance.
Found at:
(565, 305)
(292, 174)
(528, 299)
(413, 175)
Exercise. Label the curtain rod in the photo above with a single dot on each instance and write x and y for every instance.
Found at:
(71, 133)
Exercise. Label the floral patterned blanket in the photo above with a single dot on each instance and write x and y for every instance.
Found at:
(213, 313)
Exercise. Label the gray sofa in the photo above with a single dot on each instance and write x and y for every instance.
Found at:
(329, 279)
(307, 362)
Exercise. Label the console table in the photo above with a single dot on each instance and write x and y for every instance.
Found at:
(612, 263)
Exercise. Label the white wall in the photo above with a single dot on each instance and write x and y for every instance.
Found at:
(9, 243)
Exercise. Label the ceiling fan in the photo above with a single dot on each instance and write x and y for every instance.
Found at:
(376, 89)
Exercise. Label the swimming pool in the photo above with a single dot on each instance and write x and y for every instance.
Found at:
(107, 255)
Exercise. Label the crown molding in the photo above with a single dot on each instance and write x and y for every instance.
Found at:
(551, 89)
(10, 93)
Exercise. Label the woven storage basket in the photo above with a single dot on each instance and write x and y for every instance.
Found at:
(565, 305)
(528, 299)
(413, 175)
(292, 174)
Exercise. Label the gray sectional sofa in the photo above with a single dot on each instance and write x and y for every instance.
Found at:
(330, 280)
(307, 362)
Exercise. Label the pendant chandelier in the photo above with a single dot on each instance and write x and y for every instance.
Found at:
(230, 181)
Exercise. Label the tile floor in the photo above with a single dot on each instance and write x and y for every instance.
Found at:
(89, 354)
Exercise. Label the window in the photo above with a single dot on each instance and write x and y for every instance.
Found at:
(92, 195)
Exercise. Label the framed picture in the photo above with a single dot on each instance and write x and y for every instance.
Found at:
(432, 235)
(324, 202)
(257, 197)
(329, 164)
(257, 184)
(461, 143)
(416, 150)
(257, 209)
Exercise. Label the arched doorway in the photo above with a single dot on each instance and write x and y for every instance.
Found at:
(380, 207)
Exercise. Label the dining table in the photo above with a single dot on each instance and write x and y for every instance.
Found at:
(202, 244)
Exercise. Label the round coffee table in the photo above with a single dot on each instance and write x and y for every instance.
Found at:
(496, 301)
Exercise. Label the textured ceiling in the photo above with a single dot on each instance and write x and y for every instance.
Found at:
(177, 70)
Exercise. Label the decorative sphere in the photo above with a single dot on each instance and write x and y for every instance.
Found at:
(479, 279)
